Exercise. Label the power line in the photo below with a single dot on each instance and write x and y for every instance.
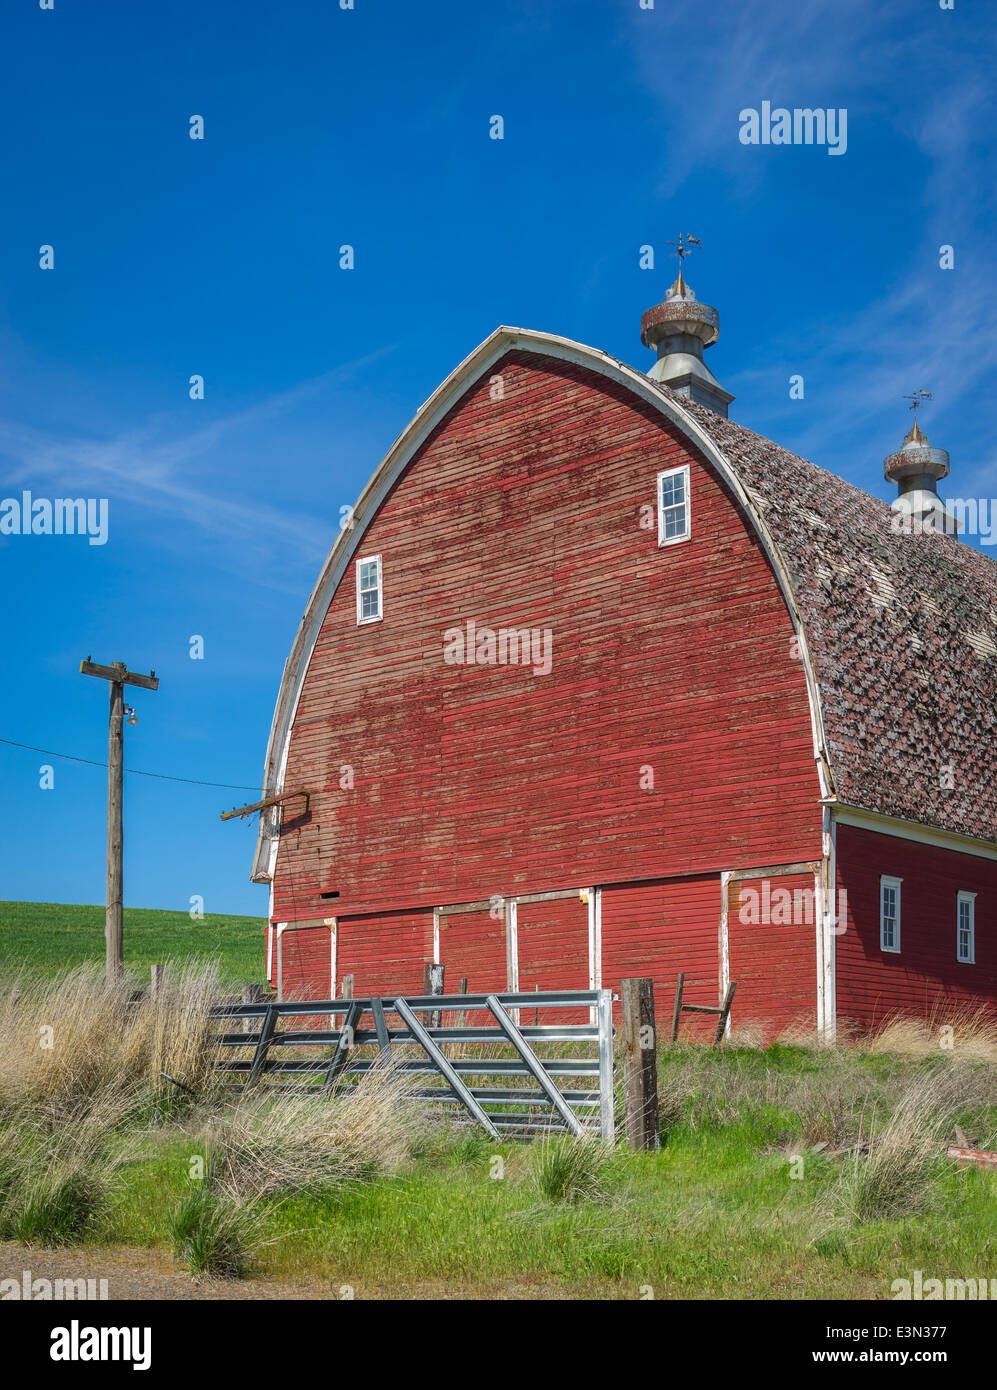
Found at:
(135, 772)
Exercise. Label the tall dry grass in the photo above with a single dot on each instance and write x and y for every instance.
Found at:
(81, 1043)
(831, 1093)
(81, 1077)
(962, 1034)
(892, 1171)
(80, 1064)
(274, 1146)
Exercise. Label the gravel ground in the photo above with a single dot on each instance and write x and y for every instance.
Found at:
(139, 1273)
(133, 1273)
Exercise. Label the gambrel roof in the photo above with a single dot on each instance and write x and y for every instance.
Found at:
(897, 633)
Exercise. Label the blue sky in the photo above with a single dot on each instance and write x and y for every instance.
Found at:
(371, 127)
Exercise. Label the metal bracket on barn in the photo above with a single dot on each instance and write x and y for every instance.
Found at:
(723, 1010)
(509, 1078)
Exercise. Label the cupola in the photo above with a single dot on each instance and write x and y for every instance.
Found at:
(680, 328)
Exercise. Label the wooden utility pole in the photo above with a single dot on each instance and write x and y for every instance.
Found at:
(119, 676)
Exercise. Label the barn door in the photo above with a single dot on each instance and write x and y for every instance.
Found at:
(473, 947)
(384, 954)
(553, 948)
(774, 920)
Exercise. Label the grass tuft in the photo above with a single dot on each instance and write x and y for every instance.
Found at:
(82, 1043)
(59, 1208)
(282, 1146)
(212, 1234)
(568, 1168)
(895, 1178)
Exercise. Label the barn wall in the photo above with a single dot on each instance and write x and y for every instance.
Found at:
(473, 947)
(553, 950)
(772, 951)
(385, 954)
(672, 663)
(306, 956)
(660, 929)
(924, 978)
(553, 942)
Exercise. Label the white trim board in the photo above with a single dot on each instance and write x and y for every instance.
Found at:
(826, 887)
(843, 814)
(723, 941)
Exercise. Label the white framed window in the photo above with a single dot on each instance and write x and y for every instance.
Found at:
(965, 948)
(674, 511)
(889, 913)
(369, 595)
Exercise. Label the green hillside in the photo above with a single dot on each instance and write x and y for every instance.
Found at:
(49, 937)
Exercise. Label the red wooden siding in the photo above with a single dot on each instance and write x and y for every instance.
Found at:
(306, 954)
(924, 977)
(385, 954)
(661, 929)
(553, 944)
(553, 940)
(774, 961)
(474, 780)
(472, 946)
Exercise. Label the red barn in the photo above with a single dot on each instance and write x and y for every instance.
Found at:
(598, 683)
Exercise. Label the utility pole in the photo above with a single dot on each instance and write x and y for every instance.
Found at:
(119, 676)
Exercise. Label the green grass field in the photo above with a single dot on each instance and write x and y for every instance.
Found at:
(49, 938)
(721, 1211)
(794, 1171)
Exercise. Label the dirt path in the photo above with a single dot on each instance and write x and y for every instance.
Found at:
(133, 1273)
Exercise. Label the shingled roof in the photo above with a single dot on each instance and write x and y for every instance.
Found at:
(902, 631)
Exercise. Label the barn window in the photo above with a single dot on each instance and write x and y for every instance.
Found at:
(966, 928)
(369, 589)
(674, 517)
(889, 913)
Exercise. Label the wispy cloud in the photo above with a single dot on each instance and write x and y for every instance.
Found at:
(928, 327)
(165, 476)
(705, 65)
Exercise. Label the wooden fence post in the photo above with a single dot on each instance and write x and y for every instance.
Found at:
(724, 1013)
(640, 1064)
(156, 980)
(432, 983)
(677, 1011)
(461, 1020)
(251, 994)
(347, 986)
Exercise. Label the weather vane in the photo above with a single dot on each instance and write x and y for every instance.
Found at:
(683, 246)
(917, 399)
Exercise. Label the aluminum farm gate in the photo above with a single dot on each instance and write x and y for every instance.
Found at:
(501, 1069)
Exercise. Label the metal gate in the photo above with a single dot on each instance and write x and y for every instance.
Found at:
(502, 1072)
